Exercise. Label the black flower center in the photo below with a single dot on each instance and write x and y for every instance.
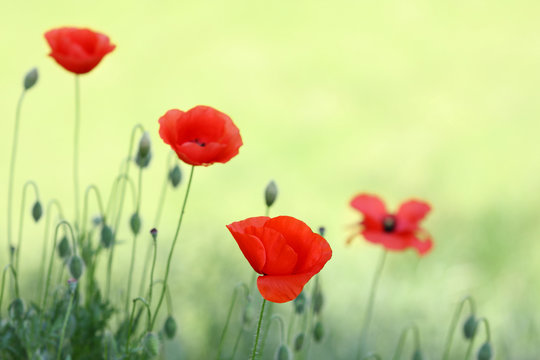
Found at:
(389, 223)
(200, 143)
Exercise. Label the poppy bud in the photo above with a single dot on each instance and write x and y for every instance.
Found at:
(469, 327)
(97, 220)
(300, 303)
(322, 231)
(135, 223)
(485, 352)
(283, 353)
(76, 267)
(142, 159)
(169, 328)
(30, 79)
(107, 236)
(318, 302)
(37, 211)
(154, 232)
(318, 331)
(16, 309)
(417, 355)
(270, 193)
(72, 284)
(150, 344)
(63, 248)
(299, 342)
(175, 176)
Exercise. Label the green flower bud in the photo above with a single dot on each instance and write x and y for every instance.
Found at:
(37, 211)
(318, 331)
(150, 344)
(76, 267)
(135, 223)
(270, 193)
(64, 250)
(175, 176)
(16, 309)
(485, 352)
(142, 159)
(318, 302)
(169, 328)
(30, 79)
(154, 233)
(469, 327)
(299, 342)
(283, 353)
(107, 236)
(300, 303)
(417, 355)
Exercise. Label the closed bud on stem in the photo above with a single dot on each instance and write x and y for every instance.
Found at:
(30, 79)
(300, 303)
(135, 223)
(142, 159)
(417, 355)
(175, 176)
(16, 309)
(485, 352)
(107, 236)
(76, 267)
(318, 331)
(169, 328)
(299, 342)
(283, 353)
(150, 344)
(469, 327)
(37, 211)
(318, 301)
(154, 233)
(322, 231)
(270, 193)
(64, 250)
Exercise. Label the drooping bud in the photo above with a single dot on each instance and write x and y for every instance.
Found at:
(107, 236)
(299, 342)
(150, 344)
(485, 352)
(469, 327)
(318, 331)
(30, 79)
(318, 301)
(169, 328)
(322, 231)
(270, 193)
(16, 309)
(417, 355)
(64, 250)
(154, 233)
(283, 353)
(135, 223)
(300, 303)
(142, 159)
(37, 211)
(76, 267)
(175, 176)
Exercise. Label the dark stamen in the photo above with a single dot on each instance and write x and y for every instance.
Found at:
(389, 223)
(200, 143)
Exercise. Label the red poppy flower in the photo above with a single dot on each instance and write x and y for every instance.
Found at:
(284, 250)
(200, 136)
(394, 231)
(78, 50)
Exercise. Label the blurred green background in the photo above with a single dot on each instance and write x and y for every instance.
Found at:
(430, 99)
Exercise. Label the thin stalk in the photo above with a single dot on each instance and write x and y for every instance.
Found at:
(134, 247)
(131, 320)
(14, 273)
(371, 302)
(254, 351)
(229, 313)
(45, 238)
(66, 318)
(279, 319)
(403, 337)
(237, 342)
(21, 220)
(12, 172)
(85, 206)
(172, 246)
(453, 324)
(154, 242)
(471, 343)
(291, 325)
(76, 135)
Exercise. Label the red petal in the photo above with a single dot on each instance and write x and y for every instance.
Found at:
(252, 248)
(194, 154)
(280, 257)
(280, 289)
(297, 234)
(372, 208)
(410, 214)
(422, 246)
(203, 123)
(389, 241)
(167, 126)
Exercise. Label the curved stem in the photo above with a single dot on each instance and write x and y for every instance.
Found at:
(21, 220)
(371, 301)
(131, 320)
(279, 319)
(471, 343)
(254, 351)
(403, 337)
(172, 246)
(134, 247)
(85, 206)
(66, 318)
(76, 134)
(12, 172)
(453, 324)
(14, 273)
(229, 313)
(45, 238)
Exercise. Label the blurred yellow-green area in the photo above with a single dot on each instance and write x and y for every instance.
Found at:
(436, 100)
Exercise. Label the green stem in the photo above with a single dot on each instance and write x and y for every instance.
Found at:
(154, 242)
(279, 319)
(76, 136)
(371, 302)
(237, 342)
(12, 172)
(14, 273)
(172, 246)
(134, 247)
(21, 220)
(254, 351)
(453, 324)
(131, 320)
(291, 325)
(66, 318)
(229, 313)
(85, 206)
(403, 337)
(45, 238)
(488, 336)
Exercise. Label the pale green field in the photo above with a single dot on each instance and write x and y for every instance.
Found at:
(429, 99)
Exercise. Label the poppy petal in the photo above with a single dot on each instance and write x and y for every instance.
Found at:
(422, 246)
(389, 241)
(167, 126)
(297, 234)
(252, 248)
(280, 257)
(372, 208)
(410, 213)
(280, 289)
